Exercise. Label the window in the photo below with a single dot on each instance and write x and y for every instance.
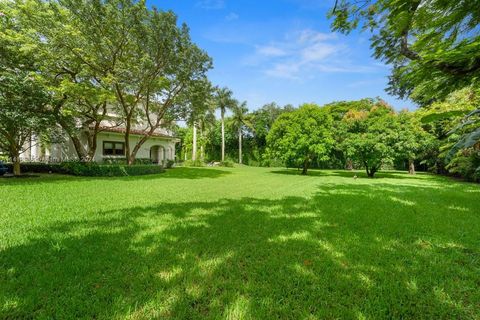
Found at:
(111, 148)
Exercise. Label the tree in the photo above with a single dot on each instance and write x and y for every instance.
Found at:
(433, 46)
(240, 119)
(24, 99)
(224, 101)
(338, 110)
(412, 140)
(370, 136)
(115, 56)
(24, 112)
(50, 36)
(261, 121)
(200, 108)
(301, 136)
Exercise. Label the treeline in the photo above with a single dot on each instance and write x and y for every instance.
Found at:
(367, 134)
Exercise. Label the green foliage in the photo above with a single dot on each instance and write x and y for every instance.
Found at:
(302, 136)
(466, 164)
(169, 164)
(123, 160)
(90, 169)
(37, 167)
(227, 163)
(433, 46)
(24, 111)
(194, 163)
(118, 54)
(370, 136)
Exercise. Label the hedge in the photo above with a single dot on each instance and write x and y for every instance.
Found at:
(90, 169)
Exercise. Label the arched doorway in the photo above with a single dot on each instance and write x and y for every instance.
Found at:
(157, 154)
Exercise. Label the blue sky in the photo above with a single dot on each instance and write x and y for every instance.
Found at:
(282, 51)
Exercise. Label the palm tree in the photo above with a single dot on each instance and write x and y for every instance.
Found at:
(240, 119)
(224, 101)
(201, 103)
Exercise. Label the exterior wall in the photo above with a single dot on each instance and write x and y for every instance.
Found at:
(167, 144)
(164, 149)
(55, 152)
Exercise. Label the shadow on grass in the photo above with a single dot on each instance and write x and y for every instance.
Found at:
(174, 173)
(351, 174)
(347, 252)
(194, 173)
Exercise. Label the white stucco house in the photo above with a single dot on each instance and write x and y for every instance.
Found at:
(159, 148)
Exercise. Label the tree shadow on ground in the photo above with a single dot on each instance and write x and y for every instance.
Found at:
(358, 173)
(347, 252)
(194, 173)
(174, 173)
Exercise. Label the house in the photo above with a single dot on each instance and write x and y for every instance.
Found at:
(159, 148)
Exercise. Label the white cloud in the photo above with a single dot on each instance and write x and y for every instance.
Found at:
(232, 16)
(302, 54)
(211, 4)
(271, 51)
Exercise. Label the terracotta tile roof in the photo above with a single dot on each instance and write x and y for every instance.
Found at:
(134, 131)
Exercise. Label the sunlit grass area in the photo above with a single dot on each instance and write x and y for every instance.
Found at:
(240, 243)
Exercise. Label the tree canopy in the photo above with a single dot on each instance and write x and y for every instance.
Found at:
(302, 136)
(433, 46)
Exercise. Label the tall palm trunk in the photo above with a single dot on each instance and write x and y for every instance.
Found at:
(202, 149)
(240, 145)
(223, 133)
(194, 146)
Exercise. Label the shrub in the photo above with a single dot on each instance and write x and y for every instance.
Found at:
(192, 163)
(227, 163)
(123, 160)
(169, 164)
(109, 170)
(38, 167)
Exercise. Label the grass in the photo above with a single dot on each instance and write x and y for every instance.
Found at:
(240, 243)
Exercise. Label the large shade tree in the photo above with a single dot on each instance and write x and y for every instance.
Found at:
(370, 136)
(433, 46)
(302, 136)
(114, 56)
(24, 113)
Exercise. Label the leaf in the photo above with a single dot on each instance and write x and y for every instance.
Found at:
(442, 116)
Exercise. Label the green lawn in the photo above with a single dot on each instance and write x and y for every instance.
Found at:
(240, 243)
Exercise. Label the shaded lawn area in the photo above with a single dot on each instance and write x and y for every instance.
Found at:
(240, 243)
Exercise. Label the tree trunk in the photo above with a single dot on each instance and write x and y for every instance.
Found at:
(194, 144)
(77, 144)
(240, 160)
(411, 166)
(16, 163)
(202, 147)
(306, 164)
(371, 172)
(128, 125)
(349, 164)
(223, 134)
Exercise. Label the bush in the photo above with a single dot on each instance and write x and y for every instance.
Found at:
(227, 163)
(37, 167)
(170, 164)
(109, 170)
(123, 160)
(191, 163)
